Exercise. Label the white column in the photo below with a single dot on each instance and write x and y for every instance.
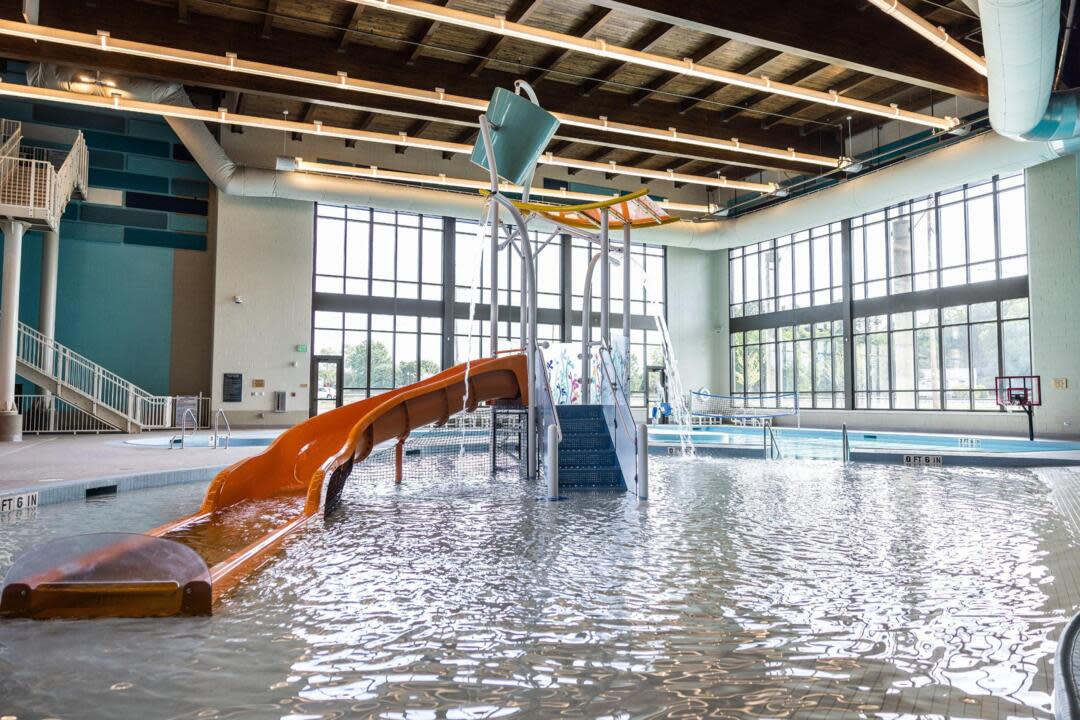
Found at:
(9, 328)
(626, 281)
(605, 278)
(50, 263)
(493, 283)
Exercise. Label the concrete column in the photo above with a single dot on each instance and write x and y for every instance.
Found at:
(1053, 226)
(10, 420)
(50, 263)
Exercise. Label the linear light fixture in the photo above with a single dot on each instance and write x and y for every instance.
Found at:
(452, 183)
(935, 34)
(104, 42)
(117, 101)
(601, 48)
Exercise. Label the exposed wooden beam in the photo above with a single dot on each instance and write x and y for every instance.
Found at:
(183, 10)
(234, 102)
(595, 156)
(417, 41)
(520, 11)
(307, 113)
(795, 77)
(268, 18)
(704, 51)
(750, 66)
(850, 83)
(583, 29)
(820, 30)
(652, 35)
(309, 52)
(346, 34)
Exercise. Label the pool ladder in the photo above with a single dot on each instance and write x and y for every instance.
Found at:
(217, 437)
(770, 444)
(182, 437)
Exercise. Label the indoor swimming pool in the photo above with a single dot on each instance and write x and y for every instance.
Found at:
(820, 444)
(741, 588)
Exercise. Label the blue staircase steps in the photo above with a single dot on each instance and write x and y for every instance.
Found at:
(587, 459)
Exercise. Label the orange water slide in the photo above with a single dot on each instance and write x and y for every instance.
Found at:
(250, 508)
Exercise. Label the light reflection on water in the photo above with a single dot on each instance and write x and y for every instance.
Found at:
(741, 589)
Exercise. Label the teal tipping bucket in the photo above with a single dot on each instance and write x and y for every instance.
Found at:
(520, 131)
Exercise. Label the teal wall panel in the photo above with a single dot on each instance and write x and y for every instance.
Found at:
(115, 301)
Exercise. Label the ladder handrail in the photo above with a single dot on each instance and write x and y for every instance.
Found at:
(183, 428)
(228, 428)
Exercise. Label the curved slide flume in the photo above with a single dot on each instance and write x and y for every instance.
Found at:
(250, 508)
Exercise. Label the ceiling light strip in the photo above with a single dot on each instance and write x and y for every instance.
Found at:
(377, 173)
(935, 34)
(601, 48)
(222, 116)
(231, 62)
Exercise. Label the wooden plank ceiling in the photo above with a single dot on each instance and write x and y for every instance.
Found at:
(865, 55)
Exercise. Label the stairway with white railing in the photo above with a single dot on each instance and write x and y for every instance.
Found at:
(88, 386)
(36, 184)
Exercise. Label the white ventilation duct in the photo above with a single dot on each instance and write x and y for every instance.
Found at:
(1020, 38)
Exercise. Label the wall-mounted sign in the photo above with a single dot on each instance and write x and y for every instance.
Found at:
(181, 405)
(301, 348)
(1061, 383)
(232, 387)
(258, 383)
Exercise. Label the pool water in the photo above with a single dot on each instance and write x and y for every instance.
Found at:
(741, 589)
(826, 444)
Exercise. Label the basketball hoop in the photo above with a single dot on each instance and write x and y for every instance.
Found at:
(1020, 392)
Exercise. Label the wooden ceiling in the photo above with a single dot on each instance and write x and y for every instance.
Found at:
(843, 45)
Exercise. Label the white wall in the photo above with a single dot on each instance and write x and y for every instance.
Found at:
(264, 255)
(692, 312)
(1053, 197)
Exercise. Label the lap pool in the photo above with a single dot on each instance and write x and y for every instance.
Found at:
(741, 589)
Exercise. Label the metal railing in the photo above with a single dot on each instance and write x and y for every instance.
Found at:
(103, 387)
(546, 414)
(50, 414)
(614, 395)
(10, 137)
(182, 437)
(37, 183)
(215, 439)
(772, 445)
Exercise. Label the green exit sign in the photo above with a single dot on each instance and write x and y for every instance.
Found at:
(301, 348)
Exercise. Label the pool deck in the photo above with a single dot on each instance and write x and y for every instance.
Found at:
(48, 461)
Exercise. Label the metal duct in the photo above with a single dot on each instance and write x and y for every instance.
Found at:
(1020, 38)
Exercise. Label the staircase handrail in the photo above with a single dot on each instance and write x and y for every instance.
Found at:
(103, 386)
(618, 388)
(11, 137)
(547, 395)
(73, 174)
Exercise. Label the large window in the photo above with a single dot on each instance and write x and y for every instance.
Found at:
(380, 301)
(927, 350)
(808, 359)
(973, 234)
(793, 271)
